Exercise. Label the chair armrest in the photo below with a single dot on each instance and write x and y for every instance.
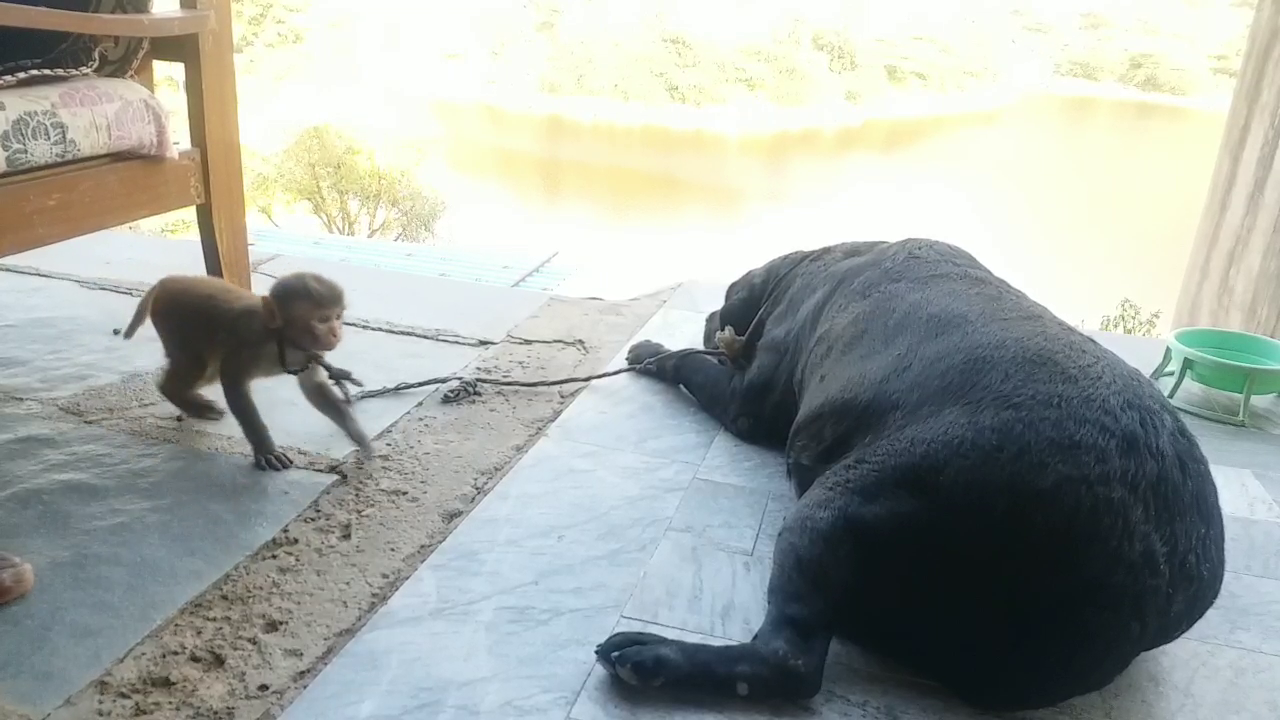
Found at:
(141, 25)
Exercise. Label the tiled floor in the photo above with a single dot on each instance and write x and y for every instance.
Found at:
(637, 511)
(122, 532)
(129, 529)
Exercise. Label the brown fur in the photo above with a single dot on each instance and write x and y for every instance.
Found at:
(16, 578)
(213, 331)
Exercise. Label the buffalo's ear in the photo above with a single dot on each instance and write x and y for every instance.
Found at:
(271, 313)
(746, 297)
(710, 329)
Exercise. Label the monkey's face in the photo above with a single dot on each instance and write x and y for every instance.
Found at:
(316, 328)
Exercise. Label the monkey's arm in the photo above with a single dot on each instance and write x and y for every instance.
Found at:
(318, 392)
(235, 386)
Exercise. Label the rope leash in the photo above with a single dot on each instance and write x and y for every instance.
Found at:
(470, 386)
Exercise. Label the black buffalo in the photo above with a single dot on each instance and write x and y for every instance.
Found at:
(988, 497)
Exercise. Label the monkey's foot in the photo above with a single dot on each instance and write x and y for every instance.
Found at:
(16, 578)
(197, 406)
(206, 411)
(272, 460)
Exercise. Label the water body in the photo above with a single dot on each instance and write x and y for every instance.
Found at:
(1078, 199)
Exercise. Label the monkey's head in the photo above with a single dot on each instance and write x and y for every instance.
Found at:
(307, 309)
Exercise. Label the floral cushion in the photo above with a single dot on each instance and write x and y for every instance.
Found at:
(43, 125)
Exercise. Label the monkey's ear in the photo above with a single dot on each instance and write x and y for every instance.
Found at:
(271, 313)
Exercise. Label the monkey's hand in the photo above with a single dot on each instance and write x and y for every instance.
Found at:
(337, 374)
(361, 440)
(731, 343)
(271, 458)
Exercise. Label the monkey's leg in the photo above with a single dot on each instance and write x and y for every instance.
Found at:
(235, 385)
(179, 386)
(318, 392)
(16, 578)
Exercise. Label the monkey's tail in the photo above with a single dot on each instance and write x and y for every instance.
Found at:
(140, 315)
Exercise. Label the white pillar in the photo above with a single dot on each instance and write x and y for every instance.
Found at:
(1232, 278)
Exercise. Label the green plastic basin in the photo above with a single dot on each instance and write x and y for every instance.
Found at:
(1224, 359)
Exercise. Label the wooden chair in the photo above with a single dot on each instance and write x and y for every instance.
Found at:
(47, 205)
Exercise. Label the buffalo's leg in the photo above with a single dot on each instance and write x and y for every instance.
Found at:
(786, 658)
(718, 388)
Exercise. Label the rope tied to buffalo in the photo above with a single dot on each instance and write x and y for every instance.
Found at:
(468, 386)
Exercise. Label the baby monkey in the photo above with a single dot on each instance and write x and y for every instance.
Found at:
(215, 331)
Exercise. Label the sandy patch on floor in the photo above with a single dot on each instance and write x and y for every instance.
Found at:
(247, 646)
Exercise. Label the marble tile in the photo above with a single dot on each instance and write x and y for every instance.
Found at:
(1143, 353)
(472, 309)
(699, 296)
(674, 328)
(377, 359)
(1264, 414)
(1188, 680)
(849, 692)
(58, 341)
(1207, 429)
(780, 503)
(727, 516)
(1253, 546)
(120, 256)
(122, 532)
(1203, 397)
(1270, 482)
(1246, 615)
(730, 460)
(1237, 447)
(641, 415)
(701, 588)
(1241, 494)
(501, 620)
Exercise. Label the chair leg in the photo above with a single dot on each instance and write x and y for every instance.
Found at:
(215, 129)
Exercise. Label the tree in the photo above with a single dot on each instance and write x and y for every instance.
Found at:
(1130, 319)
(343, 185)
(265, 23)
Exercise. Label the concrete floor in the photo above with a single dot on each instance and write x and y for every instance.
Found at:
(126, 514)
(636, 511)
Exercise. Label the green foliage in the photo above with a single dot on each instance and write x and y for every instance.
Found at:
(1130, 319)
(822, 53)
(184, 226)
(343, 185)
(265, 23)
(810, 53)
(177, 224)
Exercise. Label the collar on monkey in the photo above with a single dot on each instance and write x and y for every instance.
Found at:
(284, 365)
(337, 375)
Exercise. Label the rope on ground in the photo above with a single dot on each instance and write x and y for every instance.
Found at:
(470, 386)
